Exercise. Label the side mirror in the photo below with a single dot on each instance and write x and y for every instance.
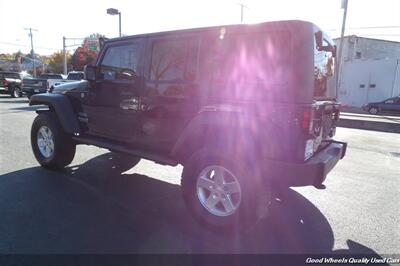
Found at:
(90, 72)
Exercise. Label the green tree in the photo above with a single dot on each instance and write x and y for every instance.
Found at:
(55, 61)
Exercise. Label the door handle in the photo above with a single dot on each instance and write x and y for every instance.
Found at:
(130, 104)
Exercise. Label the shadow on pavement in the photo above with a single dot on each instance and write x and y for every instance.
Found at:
(93, 208)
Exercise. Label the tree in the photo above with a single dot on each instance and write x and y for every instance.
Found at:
(87, 52)
(55, 61)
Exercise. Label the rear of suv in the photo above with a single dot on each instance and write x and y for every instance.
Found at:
(11, 83)
(244, 108)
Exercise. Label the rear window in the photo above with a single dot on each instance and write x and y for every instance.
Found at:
(75, 76)
(50, 76)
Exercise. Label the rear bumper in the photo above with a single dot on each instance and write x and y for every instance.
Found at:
(312, 172)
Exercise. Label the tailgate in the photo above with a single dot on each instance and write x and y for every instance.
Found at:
(35, 83)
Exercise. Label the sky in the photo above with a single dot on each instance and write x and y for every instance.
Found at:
(79, 18)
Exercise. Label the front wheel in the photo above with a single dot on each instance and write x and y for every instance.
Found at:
(52, 147)
(223, 193)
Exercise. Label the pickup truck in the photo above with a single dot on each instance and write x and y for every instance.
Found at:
(10, 83)
(72, 76)
(47, 82)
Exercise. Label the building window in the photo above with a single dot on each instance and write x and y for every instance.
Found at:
(362, 86)
(358, 55)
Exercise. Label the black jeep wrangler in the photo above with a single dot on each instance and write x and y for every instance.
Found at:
(244, 108)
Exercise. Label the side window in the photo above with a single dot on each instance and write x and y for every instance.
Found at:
(174, 60)
(121, 62)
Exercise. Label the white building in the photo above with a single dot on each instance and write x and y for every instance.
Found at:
(370, 70)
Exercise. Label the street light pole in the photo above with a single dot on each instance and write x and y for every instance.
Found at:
(113, 11)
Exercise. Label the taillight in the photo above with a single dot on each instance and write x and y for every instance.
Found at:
(336, 115)
(306, 119)
(5, 82)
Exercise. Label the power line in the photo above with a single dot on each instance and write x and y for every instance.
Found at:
(22, 45)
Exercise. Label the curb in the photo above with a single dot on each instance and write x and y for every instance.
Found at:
(369, 125)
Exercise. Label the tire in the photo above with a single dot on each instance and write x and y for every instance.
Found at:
(16, 92)
(213, 207)
(52, 147)
(373, 111)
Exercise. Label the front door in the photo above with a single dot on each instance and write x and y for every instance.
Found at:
(112, 101)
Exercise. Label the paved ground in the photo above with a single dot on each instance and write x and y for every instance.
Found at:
(92, 207)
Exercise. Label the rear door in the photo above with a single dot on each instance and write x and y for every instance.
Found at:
(169, 101)
(111, 106)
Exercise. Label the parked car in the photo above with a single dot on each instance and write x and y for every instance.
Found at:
(38, 85)
(391, 105)
(34, 86)
(54, 80)
(11, 83)
(241, 107)
(72, 76)
(75, 75)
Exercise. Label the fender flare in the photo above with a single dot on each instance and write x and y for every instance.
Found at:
(62, 107)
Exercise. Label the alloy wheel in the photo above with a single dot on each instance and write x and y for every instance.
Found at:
(218, 190)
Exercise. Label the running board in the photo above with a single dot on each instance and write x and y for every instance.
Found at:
(95, 141)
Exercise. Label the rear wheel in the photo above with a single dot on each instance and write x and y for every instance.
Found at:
(373, 110)
(52, 147)
(16, 92)
(223, 193)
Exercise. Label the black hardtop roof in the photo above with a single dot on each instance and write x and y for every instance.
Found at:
(273, 25)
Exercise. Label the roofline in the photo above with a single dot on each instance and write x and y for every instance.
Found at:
(208, 28)
(360, 37)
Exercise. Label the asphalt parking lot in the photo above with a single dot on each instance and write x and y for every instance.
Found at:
(93, 206)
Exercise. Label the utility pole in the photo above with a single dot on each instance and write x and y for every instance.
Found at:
(340, 52)
(65, 46)
(65, 56)
(242, 6)
(32, 51)
(119, 15)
